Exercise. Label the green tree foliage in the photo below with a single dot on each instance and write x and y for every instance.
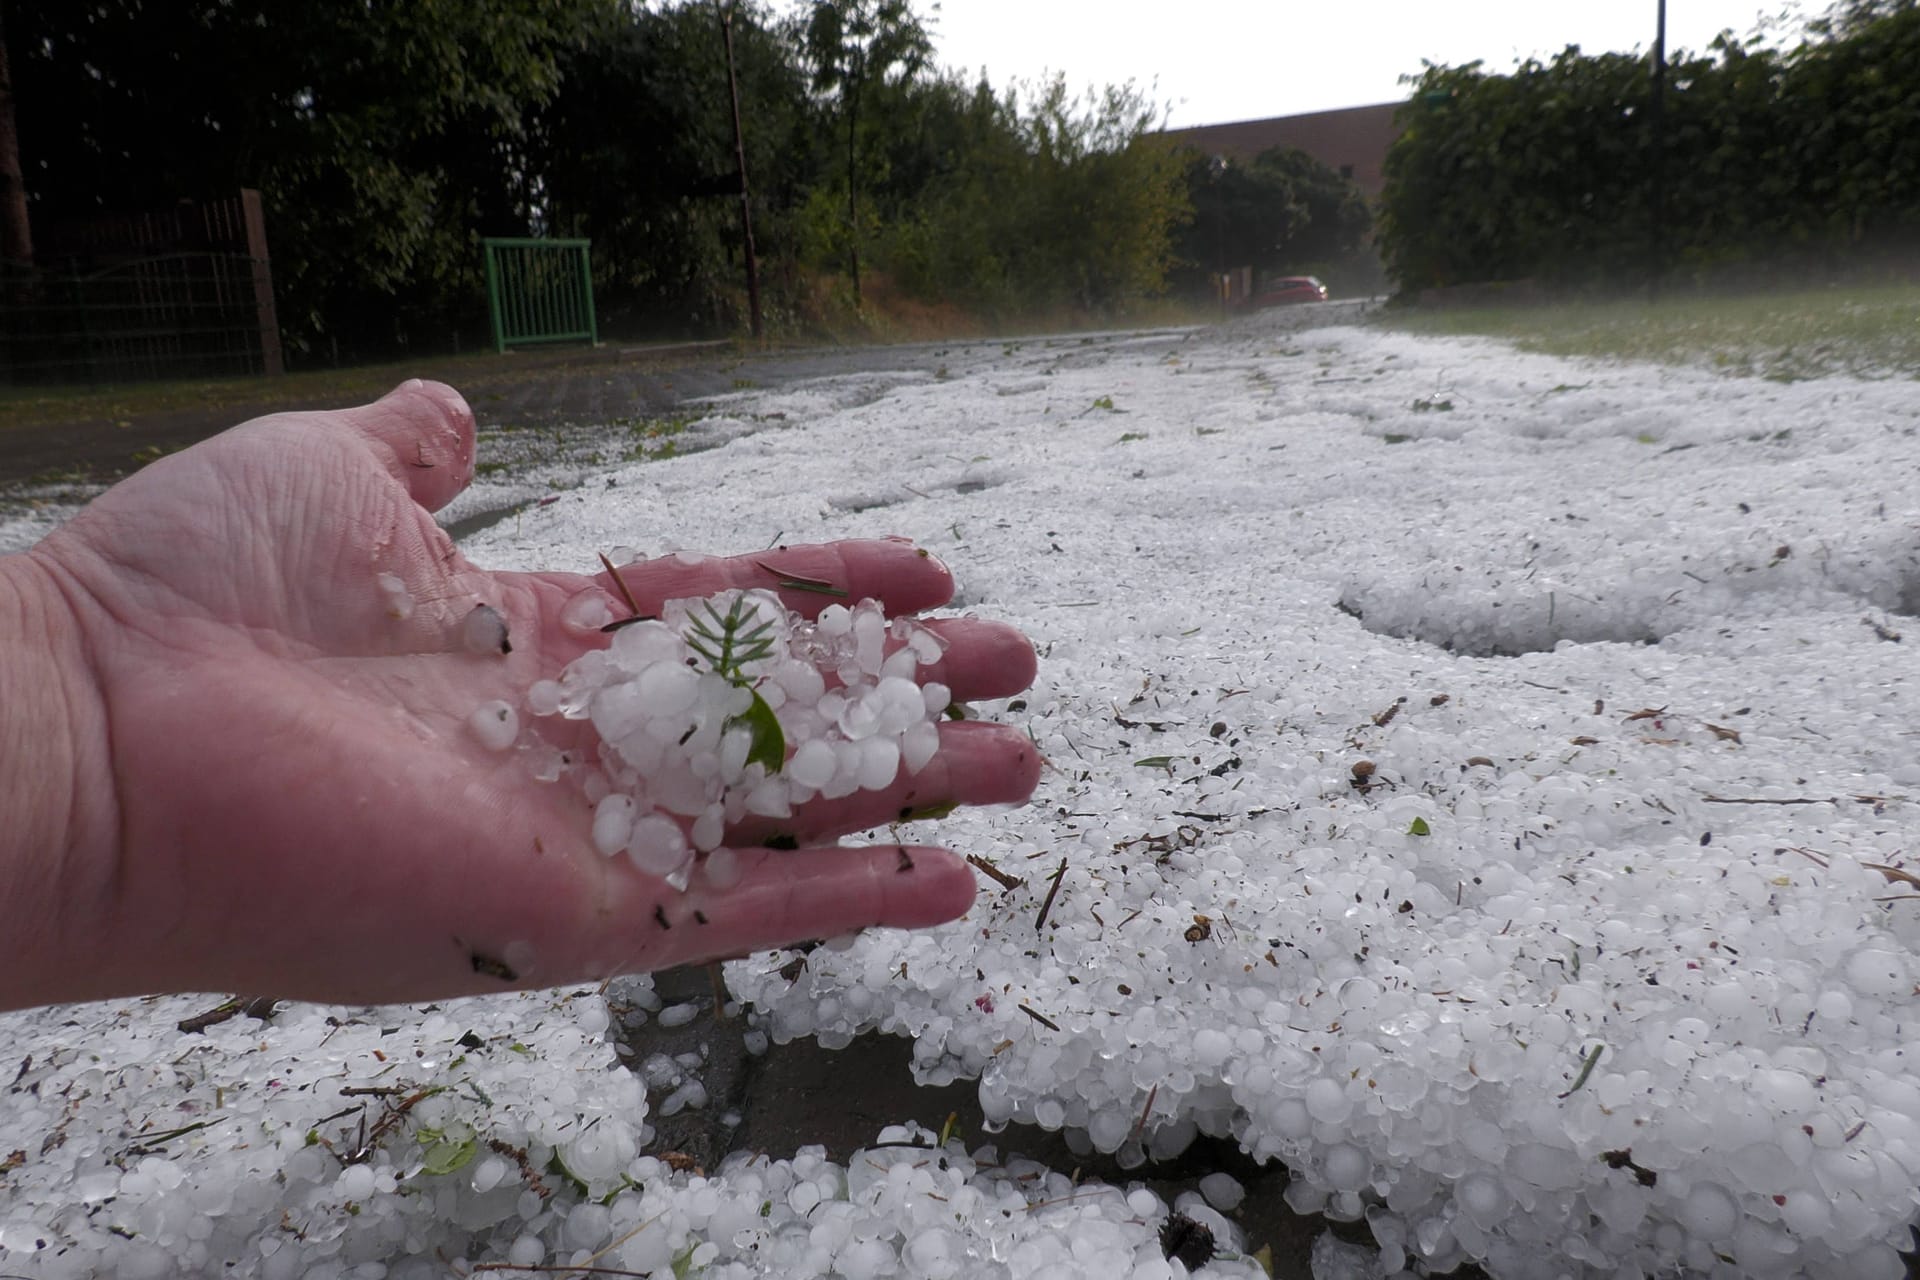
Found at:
(388, 138)
(1283, 212)
(855, 45)
(384, 138)
(1546, 172)
(637, 154)
(1056, 202)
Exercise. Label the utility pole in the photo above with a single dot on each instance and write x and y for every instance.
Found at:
(1656, 175)
(740, 160)
(16, 237)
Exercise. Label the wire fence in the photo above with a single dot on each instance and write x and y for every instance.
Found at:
(184, 291)
(176, 315)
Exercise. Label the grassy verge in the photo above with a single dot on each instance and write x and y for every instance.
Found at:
(888, 316)
(32, 406)
(1871, 332)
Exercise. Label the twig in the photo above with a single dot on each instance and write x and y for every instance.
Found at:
(994, 873)
(1140, 1125)
(389, 1121)
(548, 1267)
(527, 1173)
(1039, 1017)
(1801, 800)
(800, 582)
(1586, 1069)
(621, 583)
(1046, 903)
(211, 1018)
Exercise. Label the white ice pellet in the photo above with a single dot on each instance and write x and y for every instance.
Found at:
(613, 824)
(879, 761)
(543, 697)
(919, 744)
(397, 600)
(1222, 1191)
(586, 612)
(722, 868)
(657, 846)
(1709, 1211)
(707, 830)
(484, 630)
(678, 1015)
(1872, 971)
(1346, 1167)
(668, 688)
(496, 725)
(813, 764)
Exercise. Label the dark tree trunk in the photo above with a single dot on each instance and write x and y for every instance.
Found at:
(853, 209)
(16, 238)
(740, 160)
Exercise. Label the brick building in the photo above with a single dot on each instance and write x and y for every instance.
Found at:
(1352, 141)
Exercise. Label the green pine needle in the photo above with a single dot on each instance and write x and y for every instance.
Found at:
(726, 643)
(730, 643)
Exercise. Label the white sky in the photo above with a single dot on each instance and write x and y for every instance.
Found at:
(1220, 60)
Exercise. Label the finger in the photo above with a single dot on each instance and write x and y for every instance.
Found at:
(983, 659)
(978, 763)
(795, 895)
(902, 577)
(423, 433)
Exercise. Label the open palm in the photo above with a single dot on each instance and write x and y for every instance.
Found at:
(301, 806)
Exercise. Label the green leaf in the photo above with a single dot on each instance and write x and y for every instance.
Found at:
(1419, 827)
(1155, 762)
(769, 745)
(447, 1156)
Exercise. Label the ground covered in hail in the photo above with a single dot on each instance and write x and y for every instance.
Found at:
(1482, 782)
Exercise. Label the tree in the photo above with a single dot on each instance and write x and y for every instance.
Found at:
(1284, 210)
(16, 239)
(637, 152)
(853, 44)
(385, 139)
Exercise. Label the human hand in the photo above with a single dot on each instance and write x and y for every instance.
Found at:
(274, 784)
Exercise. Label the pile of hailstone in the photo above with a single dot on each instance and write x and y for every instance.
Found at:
(698, 710)
(495, 1135)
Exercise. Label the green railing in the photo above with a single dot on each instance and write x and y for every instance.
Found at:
(540, 291)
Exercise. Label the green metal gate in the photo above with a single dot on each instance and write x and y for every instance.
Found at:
(540, 291)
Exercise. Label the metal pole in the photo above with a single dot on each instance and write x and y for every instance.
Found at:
(1657, 124)
(740, 160)
(1216, 171)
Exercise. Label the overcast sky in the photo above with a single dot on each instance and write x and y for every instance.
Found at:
(1220, 60)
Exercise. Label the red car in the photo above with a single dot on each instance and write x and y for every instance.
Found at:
(1287, 289)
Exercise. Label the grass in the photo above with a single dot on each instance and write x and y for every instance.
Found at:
(120, 402)
(1787, 336)
(479, 374)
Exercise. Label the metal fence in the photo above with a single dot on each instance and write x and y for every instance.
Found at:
(174, 316)
(540, 291)
(182, 292)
